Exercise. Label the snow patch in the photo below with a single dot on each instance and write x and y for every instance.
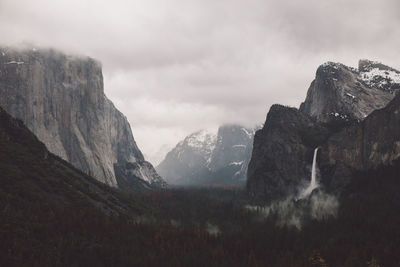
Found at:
(331, 64)
(14, 62)
(338, 115)
(236, 163)
(350, 95)
(380, 78)
(201, 139)
(237, 146)
(249, 134)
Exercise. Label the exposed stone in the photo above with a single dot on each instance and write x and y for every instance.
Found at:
(341, 91)
(362, 146)
(352, 115)
(61, 100)
(282, 153)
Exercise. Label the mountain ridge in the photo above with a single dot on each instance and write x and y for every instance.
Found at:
(351, 120)
(349, 93)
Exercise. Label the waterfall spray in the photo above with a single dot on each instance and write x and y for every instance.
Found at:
(313, 183)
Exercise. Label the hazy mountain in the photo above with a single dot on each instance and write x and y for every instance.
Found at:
(61, 100)
(205, 158)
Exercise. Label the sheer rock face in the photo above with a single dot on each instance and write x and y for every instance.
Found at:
(29, 171)
(233, 146)
(61, 100)
(282, 153)
(366, 145)
(205, 158)
(351, 114)
(348, 93)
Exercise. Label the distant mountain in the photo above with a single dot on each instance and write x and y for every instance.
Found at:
(61, 99)
(346, 114)
(205, 158)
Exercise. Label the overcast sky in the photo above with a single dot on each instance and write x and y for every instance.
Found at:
(176, 66)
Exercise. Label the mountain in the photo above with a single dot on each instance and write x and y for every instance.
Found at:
(346, 114)
(187, 161)
(348, 93)
(61, 99)
(31, 176)
(205, 158)
(363, 146)
(282, 152)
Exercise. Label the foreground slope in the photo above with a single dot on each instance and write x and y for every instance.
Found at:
(31, 175)
(61, 100)
(54, 215)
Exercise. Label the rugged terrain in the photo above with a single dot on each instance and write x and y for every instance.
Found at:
(61, 100)
(348, 93)
(346, 113)
(31, 175)
(53, 214)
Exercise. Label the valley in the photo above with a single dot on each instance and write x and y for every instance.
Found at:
(314, 186)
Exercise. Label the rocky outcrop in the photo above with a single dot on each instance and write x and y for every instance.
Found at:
(282, 153)
(348, 93)
(363, 146)
(350, 114)
(205, 158)
(61, 100)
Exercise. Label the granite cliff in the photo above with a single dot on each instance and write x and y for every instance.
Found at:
(349, 93)
(282, 152)
(33, 177)
(351, 114)
(363, 146)
(61, 100)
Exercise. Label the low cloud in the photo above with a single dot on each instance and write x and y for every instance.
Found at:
(294, 212)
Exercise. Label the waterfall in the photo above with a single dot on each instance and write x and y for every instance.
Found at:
(313, 183)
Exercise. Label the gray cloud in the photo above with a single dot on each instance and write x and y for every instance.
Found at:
(176, 66)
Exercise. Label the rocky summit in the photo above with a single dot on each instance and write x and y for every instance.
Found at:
(347, 93)
(350, 114)
(61, 100)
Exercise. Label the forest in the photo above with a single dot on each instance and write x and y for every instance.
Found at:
(203, 227)
(52, 214)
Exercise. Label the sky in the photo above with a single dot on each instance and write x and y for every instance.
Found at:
(177, 66)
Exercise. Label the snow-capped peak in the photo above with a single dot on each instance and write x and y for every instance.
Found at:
(201, 139)
(379, 77)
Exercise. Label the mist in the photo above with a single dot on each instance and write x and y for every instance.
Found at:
(295, 212)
